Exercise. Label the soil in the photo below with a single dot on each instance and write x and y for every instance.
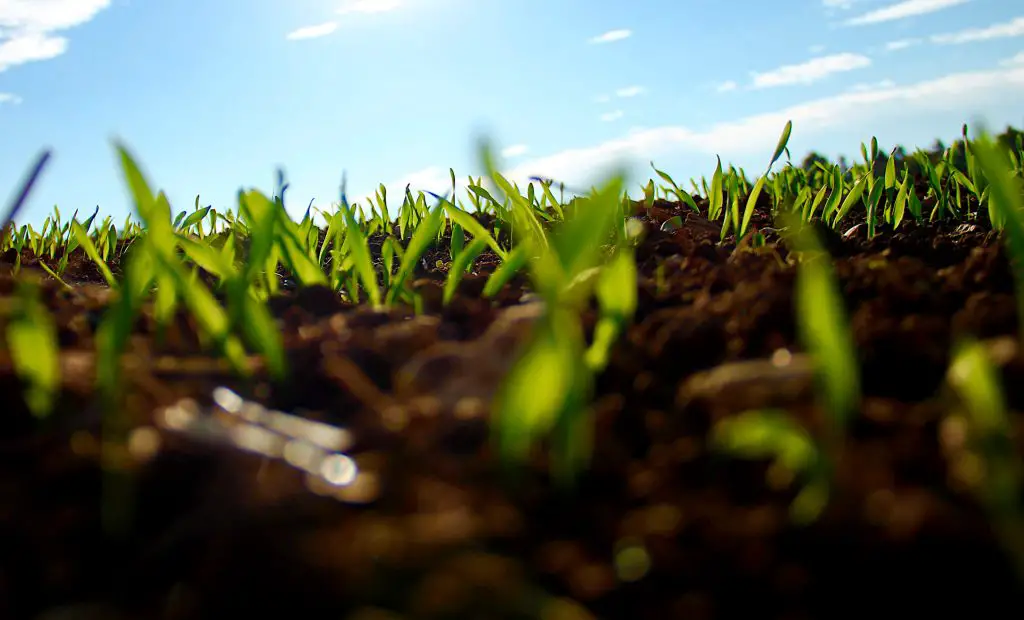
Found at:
(223, 524)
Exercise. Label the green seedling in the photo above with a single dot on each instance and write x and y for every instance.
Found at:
(549, 386)
(571, 249)
(360, 252)
(32, 342)
(988, 443)
(460, 264)
(772, 433)
(1006, 209)
(617, 298)
(824, 332)
(823, 325)
(755, 193)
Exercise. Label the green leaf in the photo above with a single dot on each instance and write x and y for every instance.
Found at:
(974, 377)
(890, 171)
(773, 434)
(781, 146)
(195, 217)
(748, 212)
(294, 254)
(851, 198)
(360, 252)
(767, 433)
(537, 389)
(160, 242)
(26, 187)
(824, 329)
(458, 241)
(507, 270)
(1005, 203)
(459, 266)
(32, 342)
(810, 502)
(205, 256)
(685, 197)
(617, 299)
(901, 201)
(90, 250)
(422, 239)
(715, 197)
(579, 240)
(817, 201)
(473, 227)
(262, 334)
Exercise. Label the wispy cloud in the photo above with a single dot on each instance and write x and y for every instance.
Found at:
(431, 178)
(903, 10)
(350, 8)
(9, 98)
(1013, 61)
(612, 35)
(369, 6)
(25, 48)
(27, 27)
(810, 71)
(727, 86)
(625, 92)
(751, 135)
(515, 150)
(312, 32)
(1012, 28)
(759, 133)
(869, 86)
(629, 91)
(48, 15)
(902, 44)
(612, 116)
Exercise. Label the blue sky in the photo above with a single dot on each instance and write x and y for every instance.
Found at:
(213, 95)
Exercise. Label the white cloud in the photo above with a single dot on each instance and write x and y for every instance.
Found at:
(869, 86)
(810, 71)
(727, 86)
(515, 150)
(612, 35)
(312, 32)
(1012, 28)
(29, 47)
(759, 133)
(27, 27)
(351, 7)
(816, 49)
(9, 98)
(1014, 61)
(629, 91)
(432, 178)
(903, 10)
(369, 6)
(47, 15)
(837, 4)
(602, 99)
(902, 44)
(615, 115)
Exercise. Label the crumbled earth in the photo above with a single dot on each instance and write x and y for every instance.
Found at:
(189, 522)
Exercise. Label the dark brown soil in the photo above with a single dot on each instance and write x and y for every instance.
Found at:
(429, 529)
